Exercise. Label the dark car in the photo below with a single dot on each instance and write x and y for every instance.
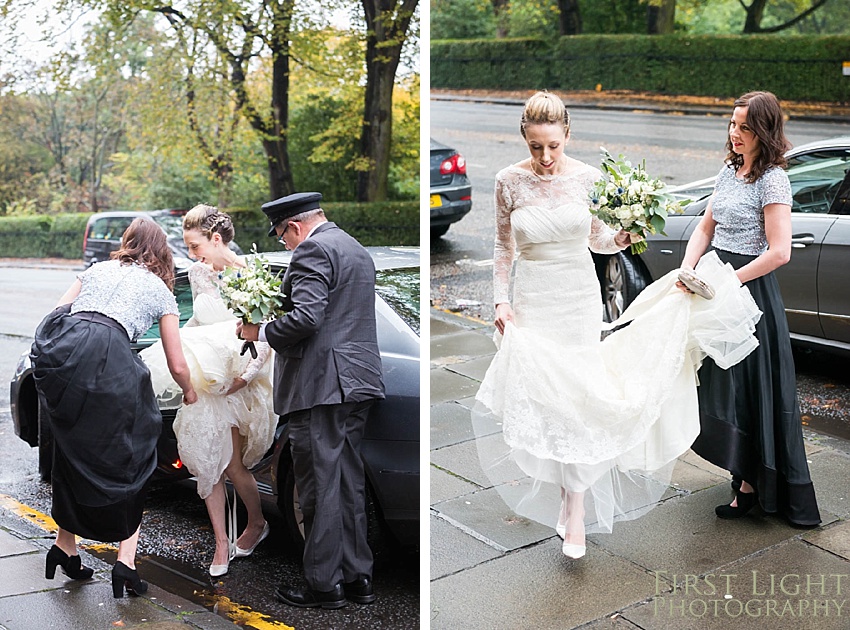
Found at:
(104, 230)
(813, 283)
(390, 445)
(451, 192)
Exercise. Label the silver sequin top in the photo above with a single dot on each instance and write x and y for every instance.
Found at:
(129, 294)
(738, 208)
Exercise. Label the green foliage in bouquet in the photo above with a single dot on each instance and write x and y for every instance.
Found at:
(253, 293)
(627, 198)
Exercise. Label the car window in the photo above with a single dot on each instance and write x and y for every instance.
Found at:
(815, 179)
(400, 289)
(109, 228)
(183, 293)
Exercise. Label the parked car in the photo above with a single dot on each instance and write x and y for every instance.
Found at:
(813, 283)
(451, 192)
(390, 445)
(104, 230)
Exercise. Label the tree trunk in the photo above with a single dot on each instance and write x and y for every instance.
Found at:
(661, 17)
(387, 23)
(569, 21)
(755, 13)
(277, 145)
(500, 10)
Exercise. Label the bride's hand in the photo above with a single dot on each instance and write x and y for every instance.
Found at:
(190, 397)
(624, 239)
(237, 384)
(504, 314)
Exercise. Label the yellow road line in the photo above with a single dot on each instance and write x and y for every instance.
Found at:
(33, 516)
(242, 615)
(238, 613)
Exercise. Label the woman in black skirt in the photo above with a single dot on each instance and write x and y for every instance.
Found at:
(749, 414)
(103, 412)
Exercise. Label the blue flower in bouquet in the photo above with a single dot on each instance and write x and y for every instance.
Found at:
(627, 198)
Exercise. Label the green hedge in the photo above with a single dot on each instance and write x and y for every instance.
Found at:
(61, 236)
(384, 223)
(43, 236)
(801, 68)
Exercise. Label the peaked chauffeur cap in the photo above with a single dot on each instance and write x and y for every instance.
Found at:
(281, 209)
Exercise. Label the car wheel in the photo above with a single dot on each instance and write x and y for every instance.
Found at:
(622, 281)
(437, 232)
(289, 504)
(291, 507)
(45, 443)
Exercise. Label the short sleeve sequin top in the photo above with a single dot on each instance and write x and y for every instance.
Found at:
(129, 294)
(738, 208)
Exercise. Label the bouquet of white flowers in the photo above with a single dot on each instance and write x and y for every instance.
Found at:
(626, 198)
(252, 294)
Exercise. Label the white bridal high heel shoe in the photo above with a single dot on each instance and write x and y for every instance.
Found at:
(217, 570)
(244, 553)
(571, 550)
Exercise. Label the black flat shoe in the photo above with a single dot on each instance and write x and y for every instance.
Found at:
(359, 591)
(746, 502)
(71, 565)
(306, 597)
(123, 577)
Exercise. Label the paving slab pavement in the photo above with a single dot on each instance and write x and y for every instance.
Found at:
(29, 601)
(676, 568)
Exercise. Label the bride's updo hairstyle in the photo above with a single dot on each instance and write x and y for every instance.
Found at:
(207, 220)
(544, 108)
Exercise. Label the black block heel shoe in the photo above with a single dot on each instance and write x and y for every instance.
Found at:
(125, 577)
(71, 565)
(746, 502)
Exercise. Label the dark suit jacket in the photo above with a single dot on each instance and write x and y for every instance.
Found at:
(326, 345)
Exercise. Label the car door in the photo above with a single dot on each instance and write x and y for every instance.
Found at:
(815, 180)
(834, 270)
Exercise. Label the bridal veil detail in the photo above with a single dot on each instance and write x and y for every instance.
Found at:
(608, 418)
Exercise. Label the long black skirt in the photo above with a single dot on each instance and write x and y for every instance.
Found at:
(750, 419)
(105, 423)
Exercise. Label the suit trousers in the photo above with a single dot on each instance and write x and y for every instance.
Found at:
(331, 486)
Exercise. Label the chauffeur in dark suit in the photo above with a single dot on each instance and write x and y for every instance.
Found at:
(327, 375)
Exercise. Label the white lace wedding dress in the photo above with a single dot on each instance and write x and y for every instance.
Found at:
(606, 417)
(212, 352)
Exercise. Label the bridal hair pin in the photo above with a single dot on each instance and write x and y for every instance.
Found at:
(697, 285)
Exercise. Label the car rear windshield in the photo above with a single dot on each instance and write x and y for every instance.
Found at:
(400, 289)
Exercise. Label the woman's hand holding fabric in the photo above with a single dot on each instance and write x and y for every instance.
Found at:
(190, 397)
(237, 384)
(504, 314)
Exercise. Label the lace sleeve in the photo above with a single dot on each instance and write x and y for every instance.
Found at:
(202, 277)
(202, 280)
(503, 250)
(601, 239)
(254, 366)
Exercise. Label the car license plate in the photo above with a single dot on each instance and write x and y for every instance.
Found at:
(436, 201)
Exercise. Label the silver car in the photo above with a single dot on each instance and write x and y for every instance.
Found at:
(814, 283)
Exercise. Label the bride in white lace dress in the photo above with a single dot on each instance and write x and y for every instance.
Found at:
(232, 425)
(593, 426)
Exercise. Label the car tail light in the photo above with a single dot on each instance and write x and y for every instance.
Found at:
(177, 464)
(454, 164)
(85, 240)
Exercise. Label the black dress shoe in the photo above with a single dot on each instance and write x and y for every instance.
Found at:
(359, 591)
(746, 502)
(306, 597)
